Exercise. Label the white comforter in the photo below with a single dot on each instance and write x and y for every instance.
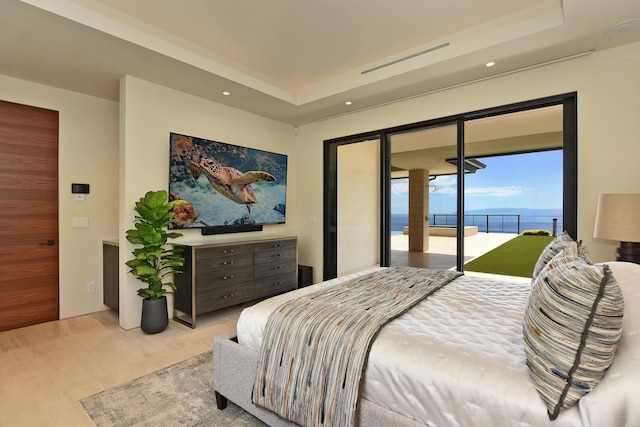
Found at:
(457, 359)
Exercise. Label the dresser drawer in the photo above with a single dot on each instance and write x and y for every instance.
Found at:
(277, 255)
(274, 269)
(223, 295)
(267, 286)
(212, 279)
(223, 258)
(275, 245)
(217, 252)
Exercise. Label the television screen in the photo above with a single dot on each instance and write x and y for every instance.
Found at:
(225, 184)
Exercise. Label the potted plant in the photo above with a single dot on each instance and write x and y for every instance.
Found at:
(155, 259)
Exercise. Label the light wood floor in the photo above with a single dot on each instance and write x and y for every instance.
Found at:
(46, 369)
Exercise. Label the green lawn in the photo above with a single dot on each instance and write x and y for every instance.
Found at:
(517, 257)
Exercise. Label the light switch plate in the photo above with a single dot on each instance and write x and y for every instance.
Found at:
(80, 222)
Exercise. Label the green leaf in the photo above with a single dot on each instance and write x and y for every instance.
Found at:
(145, 213)
(144, 270)
(155, 199)
(177, 202)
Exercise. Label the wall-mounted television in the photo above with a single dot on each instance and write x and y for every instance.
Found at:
(225, 184)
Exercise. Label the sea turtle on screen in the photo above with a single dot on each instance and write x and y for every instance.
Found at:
(230, 182)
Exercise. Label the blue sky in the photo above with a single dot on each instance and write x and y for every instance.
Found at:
(532, 180)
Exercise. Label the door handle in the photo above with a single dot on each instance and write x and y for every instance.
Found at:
(50, 242)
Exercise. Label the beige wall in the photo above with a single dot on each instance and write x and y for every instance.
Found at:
(148, 113)
(608, 131)
(87, 153)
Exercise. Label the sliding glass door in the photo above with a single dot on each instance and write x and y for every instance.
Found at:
(436, 176)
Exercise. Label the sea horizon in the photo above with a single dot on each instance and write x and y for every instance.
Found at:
(499, 220)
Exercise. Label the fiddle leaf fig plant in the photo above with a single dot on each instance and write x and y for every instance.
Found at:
(156, 258)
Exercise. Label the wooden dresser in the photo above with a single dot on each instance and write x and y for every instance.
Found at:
(220, 275)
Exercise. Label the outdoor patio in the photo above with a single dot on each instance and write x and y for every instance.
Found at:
(442, 251)
(474, 246)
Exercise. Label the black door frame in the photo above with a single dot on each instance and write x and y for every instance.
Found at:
(330, 168)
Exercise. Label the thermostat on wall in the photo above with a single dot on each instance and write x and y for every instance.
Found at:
(80, 188)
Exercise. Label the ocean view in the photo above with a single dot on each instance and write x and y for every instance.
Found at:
(499, 220)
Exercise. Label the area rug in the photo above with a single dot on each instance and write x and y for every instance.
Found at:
(178, 395)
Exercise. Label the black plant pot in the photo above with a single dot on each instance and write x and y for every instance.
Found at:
(155, 317)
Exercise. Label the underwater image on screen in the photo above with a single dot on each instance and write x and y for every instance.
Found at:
(225, 184)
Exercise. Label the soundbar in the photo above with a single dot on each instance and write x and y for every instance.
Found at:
(226, 229)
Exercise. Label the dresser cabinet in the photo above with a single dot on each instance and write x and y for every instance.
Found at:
(110, 274)
(216, 276)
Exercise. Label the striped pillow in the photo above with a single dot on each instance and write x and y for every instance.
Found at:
(551, 250)
(560, 243)
(572, 326)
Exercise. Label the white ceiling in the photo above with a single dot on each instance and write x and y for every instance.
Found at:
(297, 61)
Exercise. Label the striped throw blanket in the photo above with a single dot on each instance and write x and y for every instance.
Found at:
(314, 348)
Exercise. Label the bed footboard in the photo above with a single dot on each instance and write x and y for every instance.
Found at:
(234, 369)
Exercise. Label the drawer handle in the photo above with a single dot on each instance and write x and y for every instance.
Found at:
(229, 296)
(277, 255)
(277, 245)
(228, 251)
(277, 267)
(228, 262)
(277, 284)
(228, 277)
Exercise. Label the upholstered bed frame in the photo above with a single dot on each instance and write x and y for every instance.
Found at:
(446, 342)
(234, 368)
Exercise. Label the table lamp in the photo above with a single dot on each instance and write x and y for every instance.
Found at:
(618, 218)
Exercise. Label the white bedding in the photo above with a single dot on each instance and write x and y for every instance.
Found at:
(457, 359)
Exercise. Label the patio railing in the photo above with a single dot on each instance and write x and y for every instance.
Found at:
(498, 223)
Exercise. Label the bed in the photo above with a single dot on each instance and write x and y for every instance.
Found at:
(455, 359)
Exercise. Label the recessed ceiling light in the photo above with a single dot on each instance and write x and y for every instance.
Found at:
(623, 28)
(225, 93)
(490, 64)
(348, 103)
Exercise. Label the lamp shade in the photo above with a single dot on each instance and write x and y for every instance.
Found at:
(618, 217)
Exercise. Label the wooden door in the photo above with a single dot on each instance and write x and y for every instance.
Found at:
(28, 215)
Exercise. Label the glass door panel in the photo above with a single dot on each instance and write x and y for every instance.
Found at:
(513, 182)
(423, 189)
(358, 219)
